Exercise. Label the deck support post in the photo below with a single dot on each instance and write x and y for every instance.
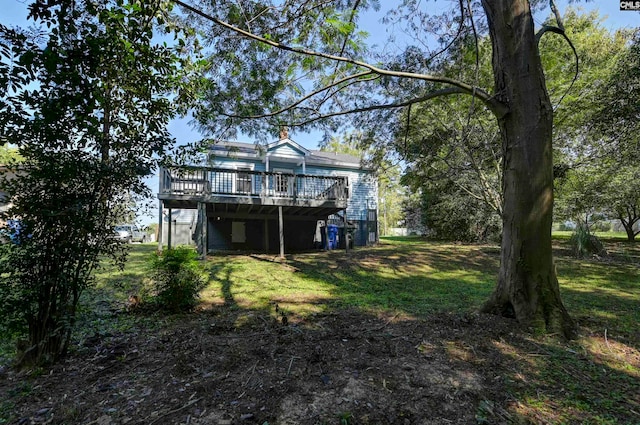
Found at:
(346, 234)
(266, 236)
(281, 225)
(159, 235)
(202, 227)
(326, 234)
(169, 230)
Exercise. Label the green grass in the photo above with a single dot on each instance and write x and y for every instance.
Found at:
(415, 278)
(402, 276)
(406, 275)
(611, 236)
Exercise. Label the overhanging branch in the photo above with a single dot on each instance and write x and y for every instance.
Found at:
(432, 95)
(357, 76)
(497, 107)
(560, 30)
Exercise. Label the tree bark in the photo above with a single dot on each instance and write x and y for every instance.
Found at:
(527, 286)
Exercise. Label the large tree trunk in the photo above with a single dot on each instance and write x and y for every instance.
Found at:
(628, 223)
(527, 284)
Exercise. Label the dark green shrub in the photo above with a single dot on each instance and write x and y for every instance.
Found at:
(583, 243)
(450, 215)
(177, 277)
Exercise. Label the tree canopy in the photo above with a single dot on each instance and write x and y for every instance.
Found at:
(600, 168)
(86, 101)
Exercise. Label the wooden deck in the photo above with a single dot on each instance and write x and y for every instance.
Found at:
(251, 193)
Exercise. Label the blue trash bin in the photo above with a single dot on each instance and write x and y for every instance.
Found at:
(332, 236)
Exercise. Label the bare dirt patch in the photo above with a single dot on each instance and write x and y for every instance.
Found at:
(231, 366)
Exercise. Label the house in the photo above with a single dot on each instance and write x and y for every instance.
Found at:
(268, 198)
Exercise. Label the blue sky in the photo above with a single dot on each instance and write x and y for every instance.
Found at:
(14, 13)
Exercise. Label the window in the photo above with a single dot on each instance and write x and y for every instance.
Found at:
(283, 183)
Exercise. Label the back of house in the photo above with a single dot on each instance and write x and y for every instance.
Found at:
(261, 198)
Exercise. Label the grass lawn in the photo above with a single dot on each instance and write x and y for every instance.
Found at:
(610, 236)
(594, 379)
(413, 278)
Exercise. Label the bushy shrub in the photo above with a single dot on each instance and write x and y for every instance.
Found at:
(454, 217)
(178, 277)
(583, 243)
(601, 226)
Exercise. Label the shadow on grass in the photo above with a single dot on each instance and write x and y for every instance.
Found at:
(383, 334)
(412, 279)
(419, 278)
(397, 317)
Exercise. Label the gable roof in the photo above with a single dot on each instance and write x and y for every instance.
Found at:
(273, 146)
(312, 157)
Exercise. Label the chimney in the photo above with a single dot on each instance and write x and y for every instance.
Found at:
(284, 133)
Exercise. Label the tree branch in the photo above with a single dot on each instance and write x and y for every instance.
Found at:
(560, 30)
(462, 187)
(498, 108)
(346, 38)
(453, 40)
(556, 13)
(432, 95)
(302, 99)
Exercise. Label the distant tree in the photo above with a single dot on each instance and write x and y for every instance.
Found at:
(391, 194)
(152, 229)
(623, 199)
(413, 213)
(349, 144)
(592, 192)
(9, 155)
(600, 169)
(85, 100)
(581, 195)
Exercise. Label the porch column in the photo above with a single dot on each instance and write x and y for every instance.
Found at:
(280, 220)
(169, 230)
(160, 226)
(302, 180)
